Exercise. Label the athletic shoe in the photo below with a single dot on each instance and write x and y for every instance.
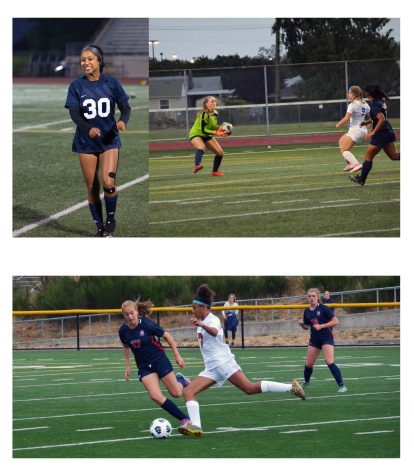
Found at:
(189, 429)
(217, 173)
(197, 168)
(342, 389)
(297, 390)
(357, 167)
(357, 179)
(348, 167)
(183, 380)
(99, 233)
(110, 228)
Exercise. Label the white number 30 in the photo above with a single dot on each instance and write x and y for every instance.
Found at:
(103, 109)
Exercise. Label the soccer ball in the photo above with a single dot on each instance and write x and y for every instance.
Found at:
(160, 428)
(226, 127)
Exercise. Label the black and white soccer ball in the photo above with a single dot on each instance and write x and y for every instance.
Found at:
(227, 127)
(160, 428)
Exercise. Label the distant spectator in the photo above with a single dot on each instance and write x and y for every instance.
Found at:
(230, 319)
(326, 298)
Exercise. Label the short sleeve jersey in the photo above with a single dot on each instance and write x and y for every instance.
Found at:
(358, 111)
(379, 106)
(96, 101)
(142, 340)
(321, 314)
(204, 124)
(233, 307)
(213, 349)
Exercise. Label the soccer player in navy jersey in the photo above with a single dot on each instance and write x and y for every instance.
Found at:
(91, 102)
(381, 136)
(320, 320)
(138, 334)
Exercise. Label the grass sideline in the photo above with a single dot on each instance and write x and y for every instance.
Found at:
(77, 404)
(46, 174)
(283, 191)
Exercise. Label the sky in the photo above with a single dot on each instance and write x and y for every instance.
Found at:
(189, 38)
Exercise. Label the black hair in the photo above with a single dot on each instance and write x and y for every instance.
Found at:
(205, 295)
(376, 92)
(97, 51)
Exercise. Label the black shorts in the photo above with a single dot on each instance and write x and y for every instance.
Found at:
(161, 366)
(204, 139)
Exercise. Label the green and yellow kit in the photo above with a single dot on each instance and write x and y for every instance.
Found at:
(204, 125)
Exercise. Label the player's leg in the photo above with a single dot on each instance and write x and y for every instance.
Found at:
(345, 145)
(172, 385)
(371, 152)
(109, 165)
(151, 383)
(197, 385)
(214, 146)
(89, 165)
(328, 351)
(199, 145)
(226, 332)
(311, 357)
(391, 151)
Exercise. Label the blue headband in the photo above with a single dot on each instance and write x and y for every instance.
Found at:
(198, 302)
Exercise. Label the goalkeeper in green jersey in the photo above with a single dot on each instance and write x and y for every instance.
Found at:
(202, 136)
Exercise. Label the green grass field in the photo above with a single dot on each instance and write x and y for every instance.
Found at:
(46, 174)
(292, 191)
(76, 404)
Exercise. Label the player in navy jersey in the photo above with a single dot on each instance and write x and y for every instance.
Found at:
(139, 335)
(320, 320)
(91, 102)
(381, 136)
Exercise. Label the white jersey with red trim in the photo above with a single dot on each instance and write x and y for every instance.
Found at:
(215, 352)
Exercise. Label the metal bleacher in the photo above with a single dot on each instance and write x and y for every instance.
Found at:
(124, 36)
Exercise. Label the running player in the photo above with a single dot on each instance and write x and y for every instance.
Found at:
(201, 136)
(91, 102)
(321, 321)
(356, 112)
(220, 364)
(138, 334)
(381, 136)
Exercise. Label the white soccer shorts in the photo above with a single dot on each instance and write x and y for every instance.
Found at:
(357, 133)
(220, 374)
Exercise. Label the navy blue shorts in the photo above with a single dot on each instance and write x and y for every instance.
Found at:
(162, 366)
(382, 140)
(320, 342)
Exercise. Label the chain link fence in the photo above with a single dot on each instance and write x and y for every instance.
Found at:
(258, 99)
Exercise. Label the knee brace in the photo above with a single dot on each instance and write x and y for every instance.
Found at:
(109, 191)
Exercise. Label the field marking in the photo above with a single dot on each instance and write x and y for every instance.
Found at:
(156, 408)
(257, 213)
(359, 232)
(72, 209)
(237, 202)
(93, 428)
(373, 432)
(233, 429)
(31, 428)
(338, 201)
(298, 431)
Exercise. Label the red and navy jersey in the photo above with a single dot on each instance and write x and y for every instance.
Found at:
(142, 341)
(96, 102)
(321, 314)
(379, 106)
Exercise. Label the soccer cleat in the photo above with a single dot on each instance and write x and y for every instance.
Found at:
(217, 173)
(110, 228)
(342, 389)
(357, 167)
(348, 167)
(297, 390)
(357, 179)
(183, 380)
(99, 233)
(189, 429)
(197, 168)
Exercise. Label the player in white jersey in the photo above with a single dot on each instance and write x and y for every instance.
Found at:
(220, 363)
(356, 113)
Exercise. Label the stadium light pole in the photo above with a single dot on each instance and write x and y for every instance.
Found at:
(152, 43)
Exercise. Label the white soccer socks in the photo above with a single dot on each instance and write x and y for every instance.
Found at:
(350, 158)
(273, 387)
(193, 409)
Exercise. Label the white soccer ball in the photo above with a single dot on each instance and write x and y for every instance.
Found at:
(227, 127)
(160, 428)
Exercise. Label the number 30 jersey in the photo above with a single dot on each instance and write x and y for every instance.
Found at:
(96, 102)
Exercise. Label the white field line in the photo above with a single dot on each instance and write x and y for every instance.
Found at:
(232, 429)
(258, 213)
(298, 431)
(373, 432)
(359, 232)
(73, 208)
(31, 428)
(292, 190)
(93, 428)
(255, 401)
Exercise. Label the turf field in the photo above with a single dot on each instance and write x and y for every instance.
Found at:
(47, 180)
(280, 191)
(76, 404)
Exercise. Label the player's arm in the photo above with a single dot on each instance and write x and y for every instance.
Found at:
(332, 323)
(126, 352)
(210, 129)
(199, 323)
(344, 119)
(173, 345)
(125, 110)
(302, 324)
(380, 123)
